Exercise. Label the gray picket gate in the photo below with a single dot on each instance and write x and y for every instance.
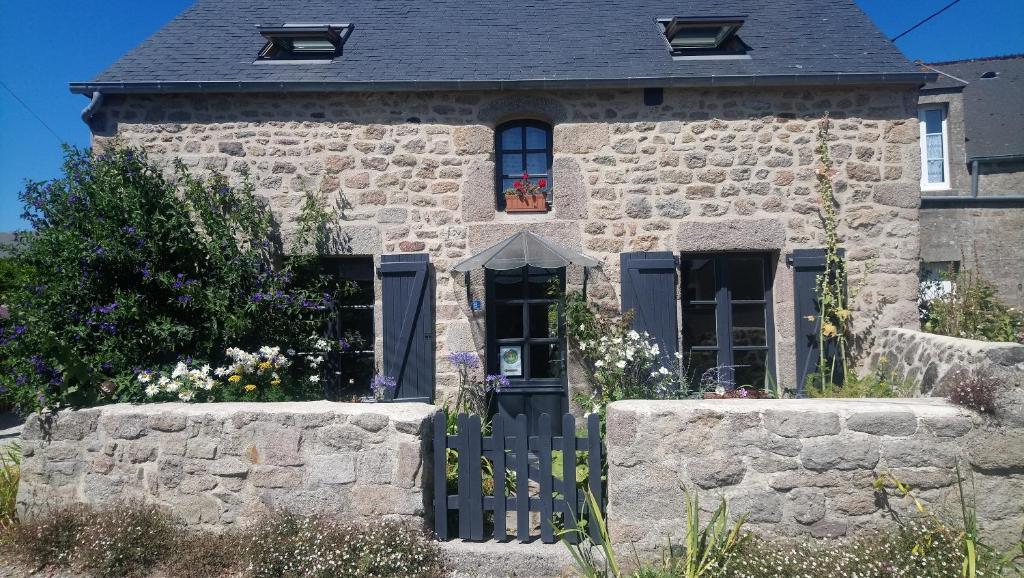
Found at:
(511, 449)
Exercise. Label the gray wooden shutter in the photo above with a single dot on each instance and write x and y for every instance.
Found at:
(649, 289)
(807, 265)
(408, 303)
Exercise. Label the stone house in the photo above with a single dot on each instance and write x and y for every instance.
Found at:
(676, 145)
(972, 204)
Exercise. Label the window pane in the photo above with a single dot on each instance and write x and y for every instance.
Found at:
(508, 286)
(746, 278)
(698, 363)
(699, 326)
(933, 121)
(355, 326)
(544, 320)
(935, 172)
(544, 287)
(536, 138)
(512, 164)
(699, 279)
(537, 163)
(512, 138)
(507, 184)
(933, 146)
(348, 375)
(750, 368)
(508, 321)
(545, 361)
(748, 326)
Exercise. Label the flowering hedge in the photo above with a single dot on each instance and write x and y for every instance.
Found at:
(129, 271)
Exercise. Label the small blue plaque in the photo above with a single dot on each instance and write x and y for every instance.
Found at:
(475, 305)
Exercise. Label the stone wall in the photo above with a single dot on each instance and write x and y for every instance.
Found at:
(934, 361)
(804, 467)
(708, 170)
(217, 465)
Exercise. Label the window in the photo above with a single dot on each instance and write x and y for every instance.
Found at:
(701, 36)
(936, 278)
(934, 152)
(351, 324)
(526, 326)
(523, 147)
(303, 41)
(727, 317)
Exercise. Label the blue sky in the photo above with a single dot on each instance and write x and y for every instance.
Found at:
(75, 40)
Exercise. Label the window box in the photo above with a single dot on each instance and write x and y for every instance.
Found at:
(527, 203)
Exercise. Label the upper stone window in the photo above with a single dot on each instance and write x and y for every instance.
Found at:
(703, 36)
(523, 157)
(303, 41)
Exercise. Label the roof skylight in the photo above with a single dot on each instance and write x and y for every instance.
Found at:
(703, 35)
(303, 41)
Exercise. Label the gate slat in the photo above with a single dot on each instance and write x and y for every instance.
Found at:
(476, 481)
(440, 475)
(594, 477)
(498, 437)
(522, 480)
(464, 480)
(569, 511)
(544, 450)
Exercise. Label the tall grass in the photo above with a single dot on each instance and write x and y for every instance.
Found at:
(10, 473)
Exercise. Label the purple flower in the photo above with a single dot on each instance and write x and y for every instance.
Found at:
(344, 344)
(184, 298)
(382, 384)
(146, 273)
(108, 328)
(106, 309)
(256, 297)
(494, 383)
(464, 360)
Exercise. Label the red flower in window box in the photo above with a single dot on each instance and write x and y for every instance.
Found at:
(525, 196)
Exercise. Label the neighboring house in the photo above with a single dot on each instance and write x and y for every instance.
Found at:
(972, 143)
(676, 141)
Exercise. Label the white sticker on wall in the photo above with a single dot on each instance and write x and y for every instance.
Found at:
(511, 357)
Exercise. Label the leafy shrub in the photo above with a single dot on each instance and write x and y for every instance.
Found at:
(974, 390)
(291, 545)
(880, 383)
(970, 310)
(126, 269)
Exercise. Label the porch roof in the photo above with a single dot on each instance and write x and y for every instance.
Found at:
(522, 249)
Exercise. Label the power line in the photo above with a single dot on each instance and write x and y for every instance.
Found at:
(32, 112)
(908, 30)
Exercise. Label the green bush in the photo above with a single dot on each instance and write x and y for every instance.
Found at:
(971, 311)
(125, 269)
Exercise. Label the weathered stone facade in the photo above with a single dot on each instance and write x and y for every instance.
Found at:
(715, 169)
(218, 465)
(804, 467)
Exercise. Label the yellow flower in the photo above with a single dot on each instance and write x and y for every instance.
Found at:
(275, 382)
(829, 330)
(250, 387)
(265, 365)
(235, 378)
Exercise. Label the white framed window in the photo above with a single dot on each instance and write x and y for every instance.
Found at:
(934, 148)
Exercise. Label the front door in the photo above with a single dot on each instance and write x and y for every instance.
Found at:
(526, 342)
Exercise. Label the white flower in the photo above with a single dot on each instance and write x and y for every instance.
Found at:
(172, 386)
(322, 344)
(207, 384)
(222, 371)
(663, 371)
(633, 334)
(291, 352)
(720, 390)
(599, 363)
(205, 369)
(185, 395)
(314, 379)
(655, 349)
(679, 355)
(620, 364)
(583, 346)
(179, 370)
(163, 381)
(145, 376)
(152, 390)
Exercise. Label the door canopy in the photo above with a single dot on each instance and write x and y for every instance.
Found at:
(522, 249)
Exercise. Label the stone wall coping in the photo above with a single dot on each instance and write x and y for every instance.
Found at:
(919, 406)
(967, 345)
(396, 411)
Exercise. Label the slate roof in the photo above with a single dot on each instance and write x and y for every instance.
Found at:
(497, 44)
(993, 107)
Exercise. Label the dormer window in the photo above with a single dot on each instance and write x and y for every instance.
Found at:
(303, 41)
(696, 36)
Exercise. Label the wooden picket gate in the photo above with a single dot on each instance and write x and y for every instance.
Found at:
(511, 451)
